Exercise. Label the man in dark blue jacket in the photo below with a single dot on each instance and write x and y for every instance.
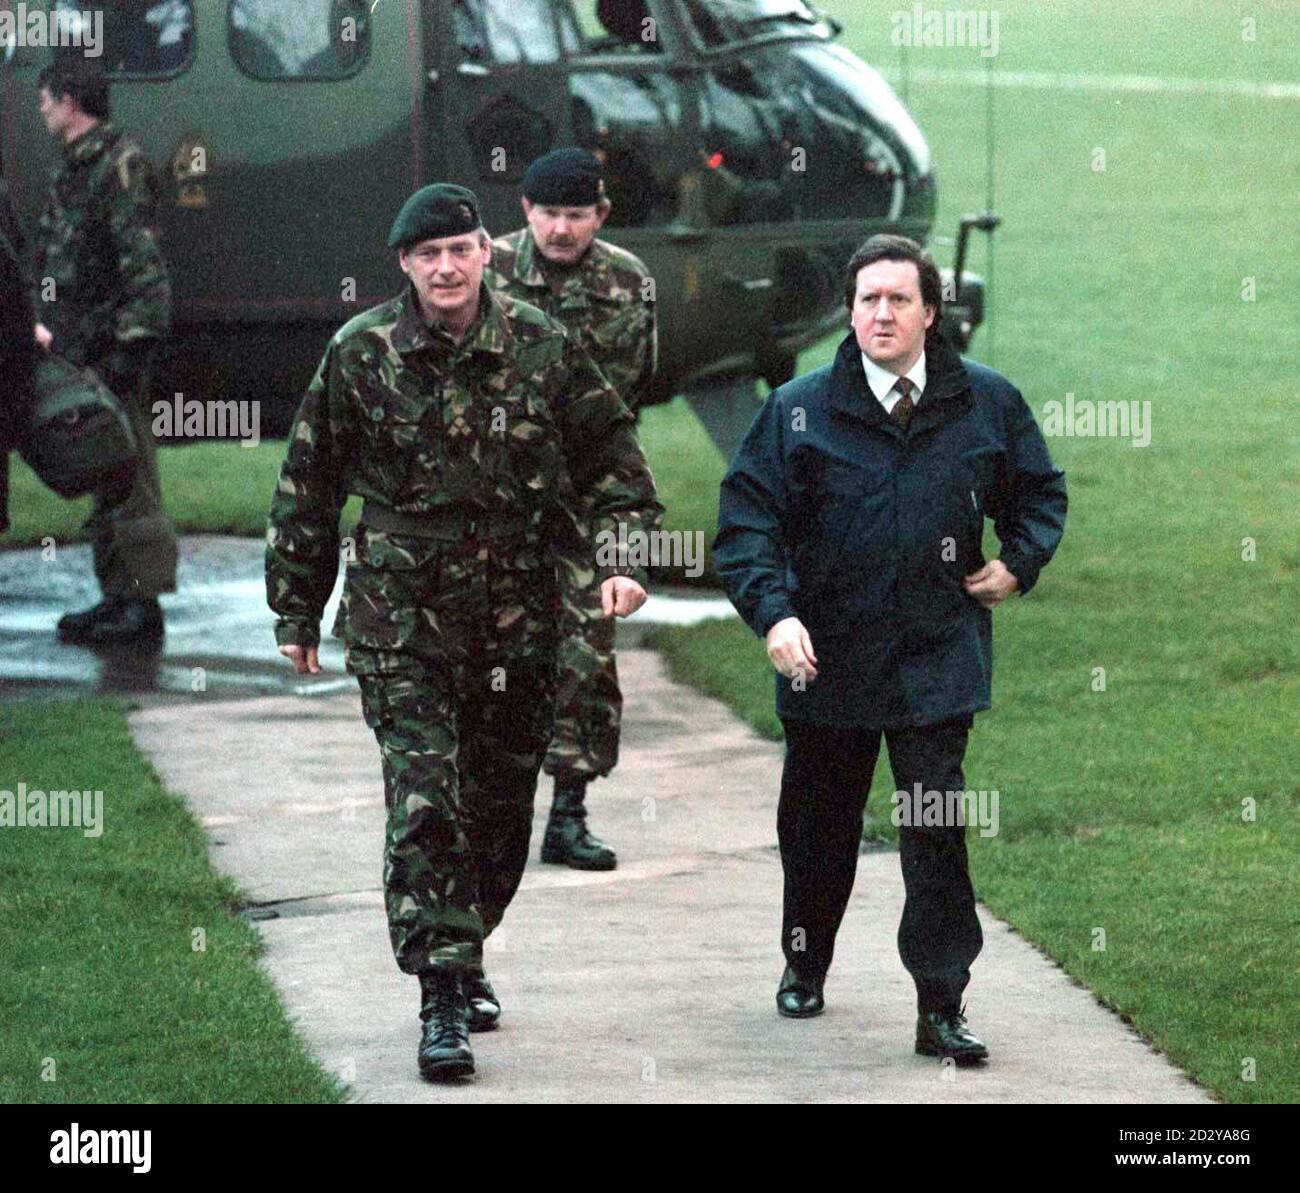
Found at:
(850, 532)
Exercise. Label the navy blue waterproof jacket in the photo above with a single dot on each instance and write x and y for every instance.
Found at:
(832, 514)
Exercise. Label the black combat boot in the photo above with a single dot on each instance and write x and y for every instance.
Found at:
(484, 1005)
(567, 842)
(444, 1040)
(120, 621)
(72, 625)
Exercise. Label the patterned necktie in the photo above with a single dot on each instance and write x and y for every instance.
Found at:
(902, 411)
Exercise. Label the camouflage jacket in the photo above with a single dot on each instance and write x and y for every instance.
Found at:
(601, 303)
(97, 244)
(402, 416)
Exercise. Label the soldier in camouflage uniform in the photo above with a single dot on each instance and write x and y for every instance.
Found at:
(16, 346)
(454, 414)
(600, 293)
(101, 297)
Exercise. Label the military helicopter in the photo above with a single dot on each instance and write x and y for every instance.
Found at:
(747, 155)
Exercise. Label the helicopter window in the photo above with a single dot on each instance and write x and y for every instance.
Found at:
(718, 22)
(745, 148)
(299, 39)
(142, 39)
(607, 27)
(505, 31)
(631, 120)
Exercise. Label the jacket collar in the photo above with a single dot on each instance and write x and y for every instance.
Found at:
(947, 387)
(92, 143)
(526, 270)
(488, 332)
(578, 281)
(880, 380)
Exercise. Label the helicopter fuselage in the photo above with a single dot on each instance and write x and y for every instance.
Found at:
(744, 160)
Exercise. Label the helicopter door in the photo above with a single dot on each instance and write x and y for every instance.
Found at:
(497, 96)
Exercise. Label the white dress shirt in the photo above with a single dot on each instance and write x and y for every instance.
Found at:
(882, 381)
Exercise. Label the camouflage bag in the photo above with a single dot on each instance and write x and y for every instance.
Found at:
(80, 439)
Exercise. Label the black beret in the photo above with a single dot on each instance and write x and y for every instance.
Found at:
(565, 178)
(434, 212)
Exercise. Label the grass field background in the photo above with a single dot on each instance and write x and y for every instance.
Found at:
(1122, 810)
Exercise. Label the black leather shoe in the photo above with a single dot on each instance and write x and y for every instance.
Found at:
(484, 1005)
(125, 621)
(72, 625)
(799, 998)
(944, 1033)
(567, 842)
(444, 1040)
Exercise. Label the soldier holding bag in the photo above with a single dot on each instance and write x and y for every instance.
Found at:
(102, 298)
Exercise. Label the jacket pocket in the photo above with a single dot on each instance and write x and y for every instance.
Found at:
(523, 428)
(943, 533)
(392, 419)
(393, 578)
(972, 523)
(844, 530)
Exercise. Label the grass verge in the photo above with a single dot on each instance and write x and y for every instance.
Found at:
(128, 977)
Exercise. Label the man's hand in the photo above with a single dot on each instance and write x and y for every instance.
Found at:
(992, 584)
(791, 650)
(305, 659)
(621, 596)
(44, 337)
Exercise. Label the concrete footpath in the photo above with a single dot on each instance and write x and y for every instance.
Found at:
(652, 983)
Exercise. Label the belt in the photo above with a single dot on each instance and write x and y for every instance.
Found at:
(449, 523)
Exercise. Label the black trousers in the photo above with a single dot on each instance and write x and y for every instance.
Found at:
(824, 788)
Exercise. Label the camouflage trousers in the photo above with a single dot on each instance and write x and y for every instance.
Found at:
(588, 702)
(132, 542)
(462, 745)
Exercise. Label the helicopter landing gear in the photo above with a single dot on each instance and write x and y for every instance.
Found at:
(725, 406)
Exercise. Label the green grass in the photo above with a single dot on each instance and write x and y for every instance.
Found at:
(1123, 809)
(102, 989)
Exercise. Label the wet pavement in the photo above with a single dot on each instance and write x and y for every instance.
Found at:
(219, 636)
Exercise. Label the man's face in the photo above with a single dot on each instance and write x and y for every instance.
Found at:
(888, 316)
(563, 234)
(55, 112)
(447, 273)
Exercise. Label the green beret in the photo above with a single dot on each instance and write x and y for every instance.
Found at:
(434, 212)
(564, 178)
